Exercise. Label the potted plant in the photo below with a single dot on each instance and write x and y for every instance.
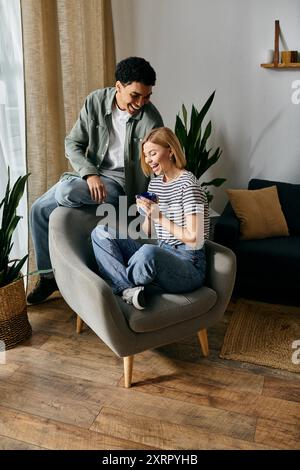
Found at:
(193, 142)
(14, 324)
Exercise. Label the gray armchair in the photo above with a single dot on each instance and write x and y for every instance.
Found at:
(127, 331)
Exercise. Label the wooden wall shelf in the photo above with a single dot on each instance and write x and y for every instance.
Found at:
(292, 65)
(277, 65)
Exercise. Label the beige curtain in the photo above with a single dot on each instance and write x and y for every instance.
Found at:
(68, 52)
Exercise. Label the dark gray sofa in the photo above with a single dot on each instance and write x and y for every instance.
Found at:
(267, 269)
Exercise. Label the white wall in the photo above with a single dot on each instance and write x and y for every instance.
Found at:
(197, 46)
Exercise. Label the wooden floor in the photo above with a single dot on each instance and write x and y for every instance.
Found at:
(64, 391)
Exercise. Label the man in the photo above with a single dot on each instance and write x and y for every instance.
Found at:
(103, 148)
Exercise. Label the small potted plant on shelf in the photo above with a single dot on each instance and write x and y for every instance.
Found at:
(14, 324)
(193, 142)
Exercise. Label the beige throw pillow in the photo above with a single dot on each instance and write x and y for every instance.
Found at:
(259, 212)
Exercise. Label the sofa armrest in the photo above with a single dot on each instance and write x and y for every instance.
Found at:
(227, 228)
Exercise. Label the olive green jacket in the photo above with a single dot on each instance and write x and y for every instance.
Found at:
(87, 144)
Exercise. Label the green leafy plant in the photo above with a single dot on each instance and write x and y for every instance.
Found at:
(10, 270)
(194, 144)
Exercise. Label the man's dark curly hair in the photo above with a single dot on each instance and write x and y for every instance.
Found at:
(135, 69)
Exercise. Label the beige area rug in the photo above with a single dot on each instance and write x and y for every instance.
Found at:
(264, 334)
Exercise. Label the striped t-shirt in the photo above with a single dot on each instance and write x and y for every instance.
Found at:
(176, 199)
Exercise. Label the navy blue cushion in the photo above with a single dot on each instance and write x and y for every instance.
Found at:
(289, 197)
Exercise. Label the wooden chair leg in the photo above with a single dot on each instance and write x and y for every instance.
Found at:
(128, 365)
(79, 325)
(202, 335)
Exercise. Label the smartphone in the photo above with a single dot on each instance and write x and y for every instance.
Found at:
(148, 195)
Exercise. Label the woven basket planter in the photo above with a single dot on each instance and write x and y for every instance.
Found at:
(14, 324)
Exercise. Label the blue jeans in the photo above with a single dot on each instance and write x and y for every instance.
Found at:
(127, 263)
(72, 192)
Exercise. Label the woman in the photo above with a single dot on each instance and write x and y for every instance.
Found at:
(180, 219)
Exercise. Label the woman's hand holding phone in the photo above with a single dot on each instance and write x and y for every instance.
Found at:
(147, 205)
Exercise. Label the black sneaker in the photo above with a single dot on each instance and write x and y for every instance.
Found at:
(44, 287)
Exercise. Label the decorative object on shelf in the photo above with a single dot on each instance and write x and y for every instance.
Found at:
(14, 324)
(289, 57)
(289, 60)
(193, 143)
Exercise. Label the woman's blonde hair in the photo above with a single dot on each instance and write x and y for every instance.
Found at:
(166, 138)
